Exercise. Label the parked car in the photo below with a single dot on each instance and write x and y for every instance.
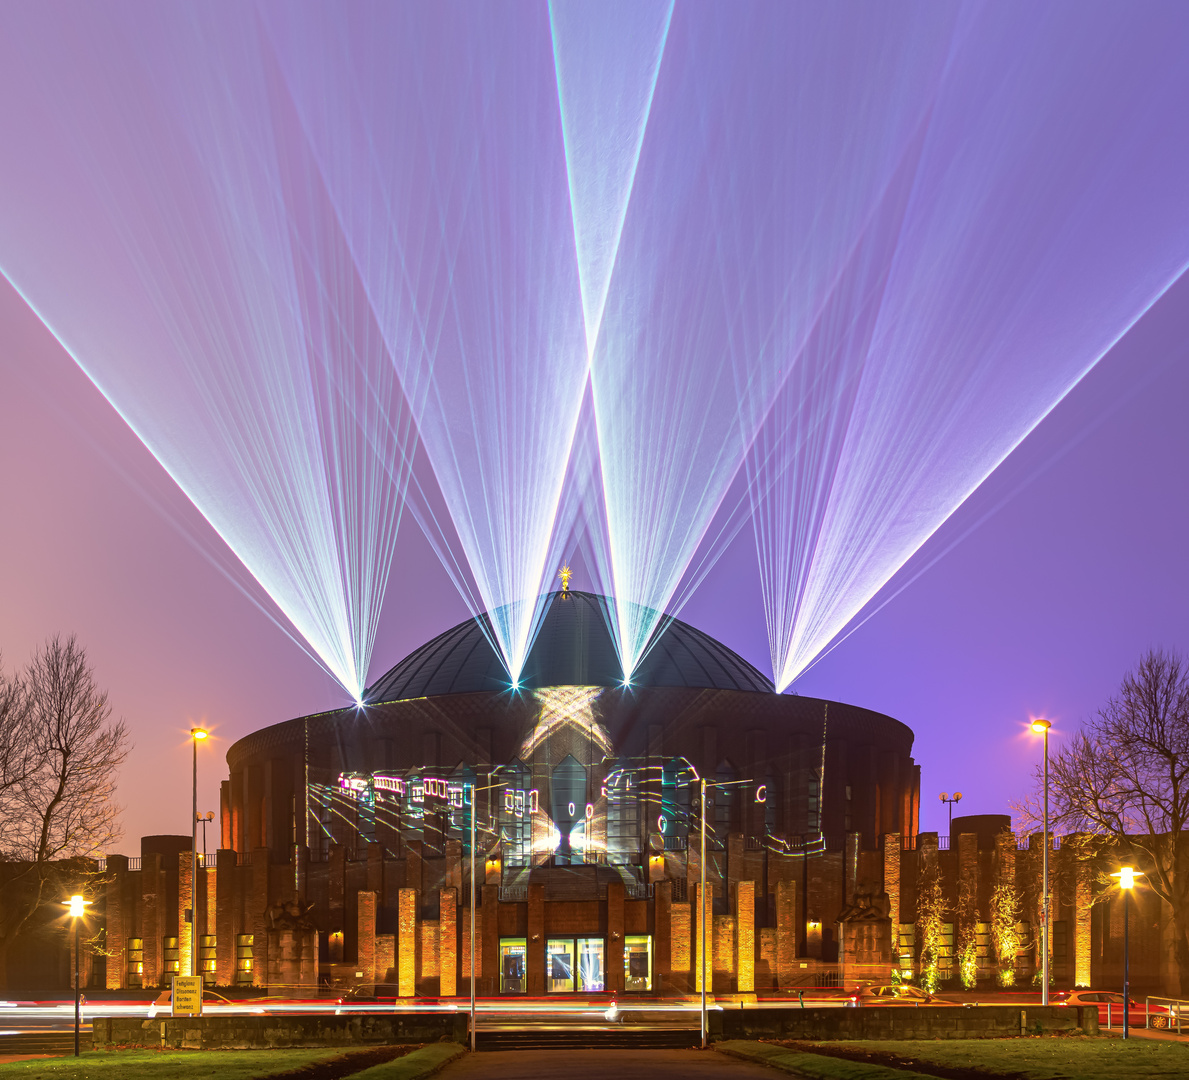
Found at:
(896, 995)
(1093, 997)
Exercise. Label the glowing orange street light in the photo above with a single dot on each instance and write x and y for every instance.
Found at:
(1126, 876)
(1041, 727)
(77, 911)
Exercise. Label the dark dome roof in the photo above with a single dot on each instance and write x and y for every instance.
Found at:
(573, 648)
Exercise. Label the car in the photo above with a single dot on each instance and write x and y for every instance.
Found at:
(1093, 997)
(898, 994)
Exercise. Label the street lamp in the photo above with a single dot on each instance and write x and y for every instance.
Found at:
(703, 784)
(78, 910)
(950, 804)
(474, 791)
(1126, 876)
(204, 818)
(197, 734)
(1041, 727)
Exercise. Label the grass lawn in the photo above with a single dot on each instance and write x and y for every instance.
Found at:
(814, 1066)
(167, 1064)
(419, 1063)
(1045, 1058)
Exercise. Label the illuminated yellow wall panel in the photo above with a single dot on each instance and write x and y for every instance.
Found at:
(406, 942)
(448, 943)
(679, 926)
(745, 906)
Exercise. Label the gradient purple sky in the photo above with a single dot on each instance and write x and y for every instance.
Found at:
(1039, 609)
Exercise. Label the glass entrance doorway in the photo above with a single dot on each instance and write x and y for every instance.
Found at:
(574, 965)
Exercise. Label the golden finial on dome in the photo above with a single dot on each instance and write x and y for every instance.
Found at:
(564, 573)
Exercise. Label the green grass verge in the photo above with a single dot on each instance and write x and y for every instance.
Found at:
(167, 1064)
(815, 1066)
(412, 1066)
(1046, 1058)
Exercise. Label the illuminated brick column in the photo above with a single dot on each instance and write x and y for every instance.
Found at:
(150, 917)
(662, 955)
(489, 940)
(786, 932)
(185, 900)
(1082, 891)
(891, 881)
(427, 967)
(536, 938)
(464, 953)
(615, 926)
(366, 924)
(258, 904)
(448, 942)
(745, 938)
(385, 957)
(225, 916)
(710, 938)
(117, 959)
(406, 942)
(209, 897)
(722, 958)
(679, 922)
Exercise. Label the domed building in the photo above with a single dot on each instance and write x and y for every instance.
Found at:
(585, 799)
(346, 858)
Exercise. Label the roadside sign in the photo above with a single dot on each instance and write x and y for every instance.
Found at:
(186, 999)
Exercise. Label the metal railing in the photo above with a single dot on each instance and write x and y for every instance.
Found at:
(676, 843)
(641, 890)
(134, 863)
(513, 894)
(1176, 1012)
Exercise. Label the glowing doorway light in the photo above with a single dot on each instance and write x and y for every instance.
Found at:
(162, 218)
(437, 132)
(1047, 214)
(607, 57)
(764, 159)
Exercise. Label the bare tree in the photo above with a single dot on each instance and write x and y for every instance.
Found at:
(59, 755)
(1125, 776)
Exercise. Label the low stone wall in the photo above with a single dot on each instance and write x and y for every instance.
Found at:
(268, 1032)
(903, 1022)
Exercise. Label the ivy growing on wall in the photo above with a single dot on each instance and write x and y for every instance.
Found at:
(930, 921)
(1005, 909)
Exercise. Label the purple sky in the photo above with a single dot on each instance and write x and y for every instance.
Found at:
(865, 257)
(1038, 611)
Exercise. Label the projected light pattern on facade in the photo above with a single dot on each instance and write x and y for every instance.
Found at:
(571, 271)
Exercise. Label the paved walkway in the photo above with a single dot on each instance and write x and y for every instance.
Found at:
(601, 1064)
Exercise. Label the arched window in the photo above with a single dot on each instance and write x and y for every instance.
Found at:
(568, 803)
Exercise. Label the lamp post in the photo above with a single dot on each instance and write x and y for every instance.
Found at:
(1041, 727)
(1126, 876)
(702, 902)
(474, 792)
(957, 797)
(77, 910)
(703, 784)
(197, 734)
(204, 818)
